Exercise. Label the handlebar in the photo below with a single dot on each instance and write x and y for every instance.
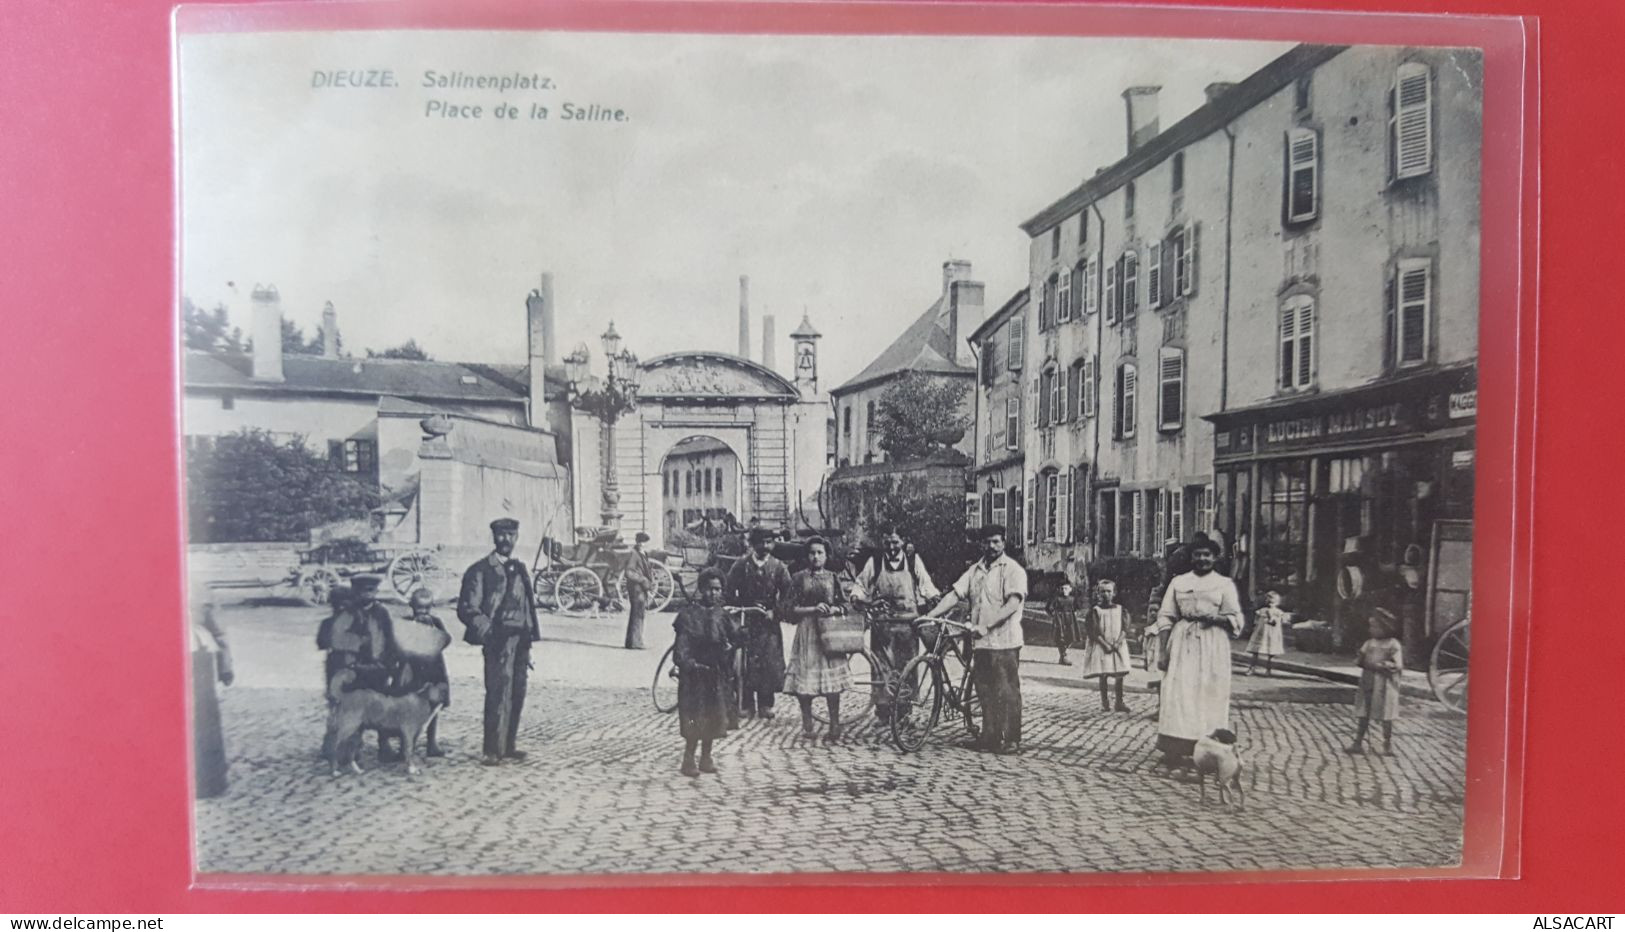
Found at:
(945, 622)
(746, 610)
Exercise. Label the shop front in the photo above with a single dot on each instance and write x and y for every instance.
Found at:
(1350, 500)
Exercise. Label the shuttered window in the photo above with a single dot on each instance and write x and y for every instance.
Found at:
(1032, 496)
(1410, 121)
(1018, 343)
(1089, 390)
(1079, 527)
(1052, 505)
(1046, 389)
(1124, 413)
(1302, 175)
(1184, 243)
(1137, 529)
(1063, 510)
(1153, 275)
(1063, 307)
(1412, 296)
(1171, 389)
(1157, 503)
(1176, 514)
(1108, 523)
(1012, 423)
(1091, 285)
(999, 499)
(1074, 391)
(1297, 342)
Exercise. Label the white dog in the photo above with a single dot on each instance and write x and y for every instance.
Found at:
(1216, 754)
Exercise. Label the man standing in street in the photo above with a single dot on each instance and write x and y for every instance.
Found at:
(639, 577)
(995, 587)
(499, 612)
(898, 579)
(760, 580)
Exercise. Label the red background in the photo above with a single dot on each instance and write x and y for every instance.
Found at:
(93, 788)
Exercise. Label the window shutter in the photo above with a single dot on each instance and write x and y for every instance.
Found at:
(1159, 517)
(1129, 378)
(1131, 283)
(1390, 325)
(1306, 335)
(1171, 396)
(1063, 312)
(1137, 527)
(1045, 409)
(1080, 501)
(1117, 404)
(1018, 343)
(1289, 335)
(1303, 175)
(1193, 233)
(1153, 275)
(1064, 509)
(1089, 387)
(1414, 288)
(1032, 493)
(1413, 121)
(1091, 284)
(1111, 293)
(1176, 514)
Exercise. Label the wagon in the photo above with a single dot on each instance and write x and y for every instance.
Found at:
(325, 566)
(590, 576)
(1447, 665)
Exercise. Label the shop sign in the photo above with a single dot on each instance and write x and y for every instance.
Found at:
(1358, 421)
(1463, 404)
(1461, 459)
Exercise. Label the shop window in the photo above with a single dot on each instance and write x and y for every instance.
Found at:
(1410, 122)
(1297, 342)
(1302, 175)
(1283, 524)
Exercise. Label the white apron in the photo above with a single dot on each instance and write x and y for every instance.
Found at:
(1195, 694)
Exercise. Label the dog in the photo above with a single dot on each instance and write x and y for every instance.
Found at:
(1216, 754)
(358, 709)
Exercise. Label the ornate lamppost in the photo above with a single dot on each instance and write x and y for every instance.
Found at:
(605, 399)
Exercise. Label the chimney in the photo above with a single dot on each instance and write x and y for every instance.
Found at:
(267, 324)
(538, 317)
(1218, 89)
(965, 302)
(1142, 114)
(954, 270)
(744, 316)
(330, 332)
(550, 348)
(767, 343)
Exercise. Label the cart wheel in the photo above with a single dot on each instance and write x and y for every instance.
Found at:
(411, 571)
(545, 589)
(664, 588)
(664, 688)
(316, 585)
(1447, 667)
(579, 590)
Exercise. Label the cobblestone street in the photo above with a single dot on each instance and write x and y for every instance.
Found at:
(600, 791)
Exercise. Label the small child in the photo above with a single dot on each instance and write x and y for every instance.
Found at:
(705, 636)
(417, 670)
(1381, 659)
(1106, 656)
(1063, 614)
(1269, 626)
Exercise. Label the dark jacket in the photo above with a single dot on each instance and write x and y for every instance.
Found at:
(497, 601)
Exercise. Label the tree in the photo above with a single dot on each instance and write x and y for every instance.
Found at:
(293, 340)
(934, 521)
(208, 330)
(921, 414)
(408, 350)
(250, 486)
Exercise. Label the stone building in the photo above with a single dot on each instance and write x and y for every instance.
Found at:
(997, 481)
(1282, 284)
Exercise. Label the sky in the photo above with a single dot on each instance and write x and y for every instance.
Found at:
(839, 173)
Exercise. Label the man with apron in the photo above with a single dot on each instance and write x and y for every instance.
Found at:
(899, 580)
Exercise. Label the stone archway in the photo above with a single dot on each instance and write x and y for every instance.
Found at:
(760, 416)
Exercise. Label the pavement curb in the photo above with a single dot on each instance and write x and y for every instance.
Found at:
(1408, 688)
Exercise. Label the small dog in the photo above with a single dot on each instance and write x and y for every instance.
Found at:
(1216, 754)
(358, 709)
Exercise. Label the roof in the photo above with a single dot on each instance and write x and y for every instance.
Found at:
(924, 347)
(1203, 121)
(405, 378)
(998, 317)
(806, 329)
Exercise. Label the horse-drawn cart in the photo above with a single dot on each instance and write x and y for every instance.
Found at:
(325, 566)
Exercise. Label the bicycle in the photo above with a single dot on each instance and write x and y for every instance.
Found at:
(934, 684)
(664, 688)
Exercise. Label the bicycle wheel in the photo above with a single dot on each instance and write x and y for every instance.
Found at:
(857, 699)
(1447, 667)
(664, 688)
(916, 703)
(968, 705)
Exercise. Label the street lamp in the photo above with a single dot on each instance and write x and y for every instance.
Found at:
(605, 399)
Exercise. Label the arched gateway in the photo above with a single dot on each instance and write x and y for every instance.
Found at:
(776, 429)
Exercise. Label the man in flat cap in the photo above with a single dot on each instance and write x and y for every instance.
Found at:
(639, 577)
(760, 580)
(498, 610)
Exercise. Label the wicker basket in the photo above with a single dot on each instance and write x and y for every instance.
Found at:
(841, 635)
(420, 640)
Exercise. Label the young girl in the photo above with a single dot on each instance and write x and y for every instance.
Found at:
(418, 669)
(704, 637)
(815, 594)
(1106, 656)
(1063, 614)
(1268, 628)
(1381, 659)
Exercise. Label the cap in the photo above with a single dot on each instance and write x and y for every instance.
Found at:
(760, 533)
(365, 582)
(641, 538)
(505, 524)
